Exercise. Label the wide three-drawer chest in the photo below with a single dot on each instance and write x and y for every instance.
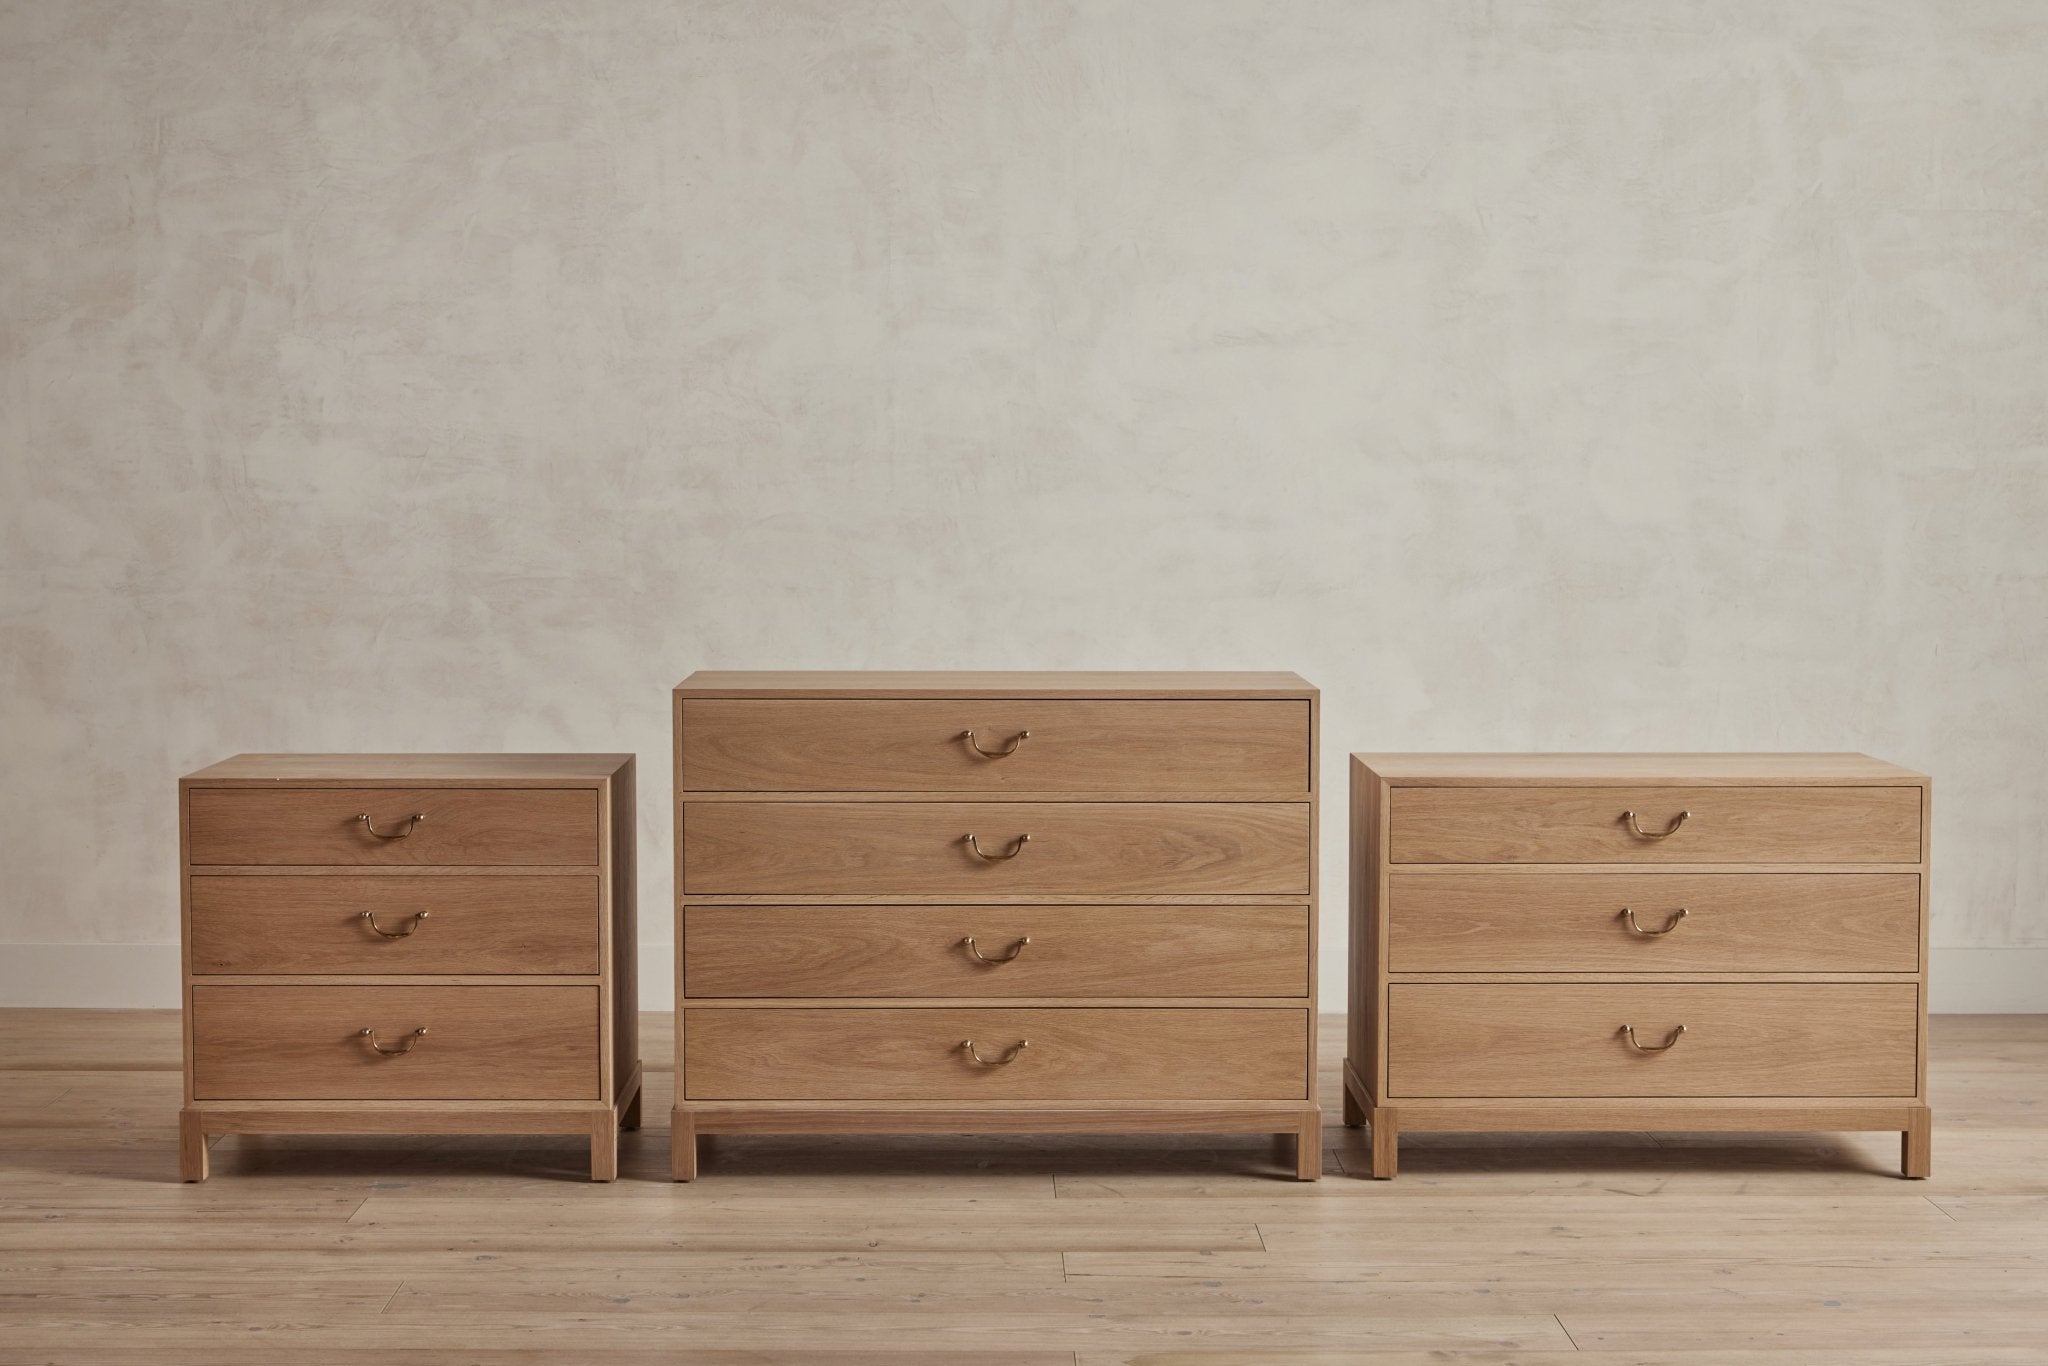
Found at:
(1638, 941)
(984, 902)
(410, 944)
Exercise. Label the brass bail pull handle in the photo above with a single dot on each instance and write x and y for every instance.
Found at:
(1003, 1061)
(412, 823)
(405, 1047)
(1629, 1032)
(981, 853)
(1015, 740)
(1009, 957)
(1666, 833)
(370, 918)
(1628, 914)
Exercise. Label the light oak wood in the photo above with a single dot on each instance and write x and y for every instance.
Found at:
(1478, 974)
(1747, 825)
(286, 825)
(432, 770)
(993, 683)
(1075, 848)
(1506, 920)
(1112, 1054)
(1586, 824)
(793, 910)
(484, 1043)
(921, 951)
(1605, 770)
(289, 924)
(1210, 750)
(1489, 1039)
(528, 880)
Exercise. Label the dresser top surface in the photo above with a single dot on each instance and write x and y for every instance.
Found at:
(914, 683)
(1707, 770)
(412, 768)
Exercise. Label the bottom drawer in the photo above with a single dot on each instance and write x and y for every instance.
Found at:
(1117, 1054)
(1768, 1039)
(307, 1043)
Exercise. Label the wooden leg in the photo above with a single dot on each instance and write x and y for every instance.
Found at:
(1354, 1113)
(1916, 1145)
(1308, 1148)
(191, 1146)
(630, 1120)
(604, 1146)
(682, 1145)
(1386, 1138)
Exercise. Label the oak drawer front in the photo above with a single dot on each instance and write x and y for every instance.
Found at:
(1503, 920)
(1776, 1039)
(476, 826)
(394, 923)
(888, 849)
(1600, 825)
(1072, 1054)
(884, 951)
(1211, 750)
(307, 1043)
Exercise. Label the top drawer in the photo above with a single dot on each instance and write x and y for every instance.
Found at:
(325, 825)
(1655, 825)
(1190, 750)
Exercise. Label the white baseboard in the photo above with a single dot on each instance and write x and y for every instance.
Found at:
(145, 976)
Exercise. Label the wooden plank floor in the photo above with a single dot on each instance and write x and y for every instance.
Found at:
(1010, 1251)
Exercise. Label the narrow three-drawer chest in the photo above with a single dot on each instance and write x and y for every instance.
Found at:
(410, 944)
(1638, 941)
(979, 902)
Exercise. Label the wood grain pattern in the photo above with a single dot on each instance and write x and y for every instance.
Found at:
(459, 770)
(1494, 1039)
(1076, 848)
(1210, 750)
(1607, 770)
(1505, 920)
(290, 924)
(485, 1043)
(290, 825)
(910, 951)
(1750, 825)
(1116, 1054)
(992, 683)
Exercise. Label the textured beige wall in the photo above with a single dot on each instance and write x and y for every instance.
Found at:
(1618, 374)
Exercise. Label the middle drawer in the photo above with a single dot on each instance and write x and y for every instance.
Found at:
(405, 924)
(912, 951)
(1026, 849)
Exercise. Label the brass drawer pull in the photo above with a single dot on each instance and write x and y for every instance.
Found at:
(1629, 915)
(1003, 1061)
(1009, 957)
(405, 1047)
(1629, 1031)
(1019, 738)
(370, 918)
(412, 823)
(1015, 849)
(1680, 819)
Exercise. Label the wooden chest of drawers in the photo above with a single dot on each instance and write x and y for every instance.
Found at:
(410, 944)
(1650, 942)
(960, 902)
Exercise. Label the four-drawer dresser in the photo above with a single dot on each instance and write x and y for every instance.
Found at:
(986, 902)
(415, 944)
(1642, 942)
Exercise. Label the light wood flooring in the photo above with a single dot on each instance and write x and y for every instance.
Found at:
(1010, 1251)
